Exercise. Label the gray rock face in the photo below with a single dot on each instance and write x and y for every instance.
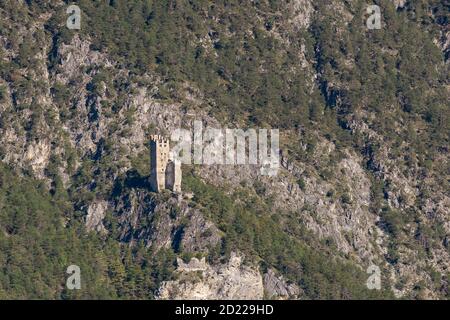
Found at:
(95, 214)
(200, 281)
(164, 221)
(276, 287)
(399, 3)
(350, 225)
(301, 12)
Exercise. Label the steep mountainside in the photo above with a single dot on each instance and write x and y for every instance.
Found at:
(364, 138)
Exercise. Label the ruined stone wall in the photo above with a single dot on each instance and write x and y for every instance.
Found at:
(173, 176)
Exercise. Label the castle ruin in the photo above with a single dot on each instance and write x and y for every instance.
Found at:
(165, 171)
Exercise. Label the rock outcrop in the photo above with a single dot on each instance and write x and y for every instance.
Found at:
(199, 281)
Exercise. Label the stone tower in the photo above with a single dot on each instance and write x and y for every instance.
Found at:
(159, 157)
(165, 172)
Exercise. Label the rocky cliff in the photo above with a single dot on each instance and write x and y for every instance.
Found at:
(360, 183)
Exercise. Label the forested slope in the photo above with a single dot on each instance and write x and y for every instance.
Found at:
(363, 116)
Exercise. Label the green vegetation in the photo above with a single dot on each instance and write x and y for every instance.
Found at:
(252, 227)
(40, 236)
(244, 59)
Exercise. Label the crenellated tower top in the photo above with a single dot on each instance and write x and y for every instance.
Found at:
(158, 138)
